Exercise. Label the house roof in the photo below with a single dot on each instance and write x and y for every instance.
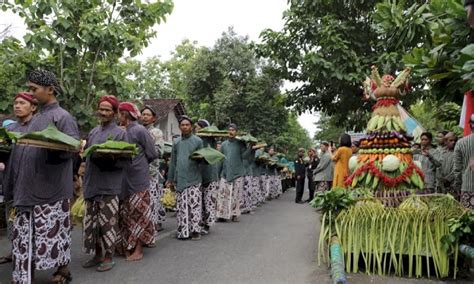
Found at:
(164, 106)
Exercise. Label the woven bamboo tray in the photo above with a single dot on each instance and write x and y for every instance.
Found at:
(46, 145)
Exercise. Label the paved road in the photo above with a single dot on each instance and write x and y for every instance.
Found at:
(276, 245)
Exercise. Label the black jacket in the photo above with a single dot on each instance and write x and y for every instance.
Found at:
(311, 166)
(300, 168)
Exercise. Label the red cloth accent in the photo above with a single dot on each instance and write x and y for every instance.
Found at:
(469, 110)
(131, 108)
(27, 96)
(111, 100)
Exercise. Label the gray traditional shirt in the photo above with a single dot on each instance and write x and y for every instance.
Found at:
(325, 169)
(235, 152)
(13, 165)
(157, 136)
(446, 171)
(463, 153)
(429, 164)
(184, 172)
(46, 176)
(99, 182)
(137, 173)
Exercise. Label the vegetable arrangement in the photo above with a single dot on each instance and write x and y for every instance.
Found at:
(382, 224)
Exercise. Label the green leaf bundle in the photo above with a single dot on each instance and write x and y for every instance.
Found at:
(53, 135)
(210, 155)
(112, 145)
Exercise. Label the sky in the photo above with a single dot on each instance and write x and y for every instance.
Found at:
(204, 21)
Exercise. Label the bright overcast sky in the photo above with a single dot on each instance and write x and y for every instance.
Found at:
(204, 21)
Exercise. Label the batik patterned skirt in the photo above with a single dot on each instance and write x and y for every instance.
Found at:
(256, 191)
(209, 202)
(322, 186)
(158, 212)
(275, 189)
(229, 198)
(467, 199)
(189, 215)
(137, 223)
(247, 195)
(41, 239)
(101, 224)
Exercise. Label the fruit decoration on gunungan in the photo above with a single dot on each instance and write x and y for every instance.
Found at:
(385, 161)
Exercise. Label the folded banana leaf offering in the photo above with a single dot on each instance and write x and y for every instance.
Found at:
(212, 131)
(50, 138)
(113, 147)
(247, 138)
(210, 155)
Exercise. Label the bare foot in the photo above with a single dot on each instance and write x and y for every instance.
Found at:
(136, 256)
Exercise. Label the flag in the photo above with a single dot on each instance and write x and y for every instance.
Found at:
(466, 111)
(413, 127)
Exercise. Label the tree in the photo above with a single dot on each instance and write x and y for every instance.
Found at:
(328, 129)
(15, 61)
(433, 38)
(84, 40)
(327, 47)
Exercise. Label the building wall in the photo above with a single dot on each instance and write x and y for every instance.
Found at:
(169, 126)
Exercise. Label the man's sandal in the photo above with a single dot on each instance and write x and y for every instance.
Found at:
(105, 266)
(93, 262)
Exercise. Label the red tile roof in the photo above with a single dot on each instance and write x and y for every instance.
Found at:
(164, 106)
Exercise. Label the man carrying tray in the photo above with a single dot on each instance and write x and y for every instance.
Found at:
(24, 106)
(102, 188)
(185, 175)
(138, 227)
(158, 212)
(42, 191)
(210, 182)
(230, 195)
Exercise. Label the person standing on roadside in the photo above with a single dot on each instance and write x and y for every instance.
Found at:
(323, 173)
(312, 165)
(300, 172)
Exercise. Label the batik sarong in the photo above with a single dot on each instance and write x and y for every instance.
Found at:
(322, 186)
(158, 212)
(137, 223)
(246, 201)
(263, 188)
(256, 192)
(278, 186)
(101, 224)
(467, 199)
(41, 239)
(237, 189)
(209, 202)
(268, 186)
(224, 200)
(189, 215)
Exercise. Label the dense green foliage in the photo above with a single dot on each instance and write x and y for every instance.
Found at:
(327, 46)
(82, 41)
(90, 45)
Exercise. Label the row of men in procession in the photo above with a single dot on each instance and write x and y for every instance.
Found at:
(123, 212)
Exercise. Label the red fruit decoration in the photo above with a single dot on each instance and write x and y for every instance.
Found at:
(385, 161)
